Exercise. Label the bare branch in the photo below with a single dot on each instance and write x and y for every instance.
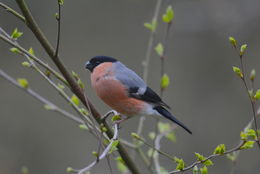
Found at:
(12, 11)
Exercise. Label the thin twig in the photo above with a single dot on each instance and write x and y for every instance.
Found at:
(103, 155)
(237, 148)
(58, 29)
(41, 99)
(12, 11)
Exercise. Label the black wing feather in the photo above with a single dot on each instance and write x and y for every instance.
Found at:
(149, 96)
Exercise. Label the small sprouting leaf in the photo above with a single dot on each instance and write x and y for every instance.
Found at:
(15, 50)
(48, 107)
(232, 156)
(248, 144)
(220, 149)
(204, 170)
(134, 135)
(180, 163)
(16, 34)
(80, 83)
(75, 100)
(60, 86)
(31, 51)
(159, 49)
(84, 111)
(95, 154)
(243, 136)
(70, 170)
(151, 26)
(243, 49)
(121, 165)
(56, 15)
(171, 136)
(195, 170)
(251, 133)
(103, 128)
(114, 146)
(169, 15)
(75, 75)
(61, 2)
(26, 64)
(233, 41)
(257, 94)
(164, 127)
(83, 127)
(116, 118)
(23, 82)
(151, 135)
(252, 75)
(202, 158)
(163, 171)
(165, 81)
(237, 71)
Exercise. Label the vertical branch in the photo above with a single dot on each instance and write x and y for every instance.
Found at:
(58, 17)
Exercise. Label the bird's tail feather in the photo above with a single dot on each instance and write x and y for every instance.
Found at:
(169, 116)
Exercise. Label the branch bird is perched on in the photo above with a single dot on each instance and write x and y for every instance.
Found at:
(124, 91)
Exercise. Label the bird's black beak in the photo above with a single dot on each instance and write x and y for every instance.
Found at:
(89, 66)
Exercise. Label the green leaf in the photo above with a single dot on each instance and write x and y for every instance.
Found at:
(83, 127)
(121, 165)
(243, 136)
(15, 50)
(151, 26)
(165, 81)
(171, 136)
(61, 2)
(202, 158)
(180, 163)
(252, 75)
(31, 51)
(16, 34)
(95, 154)
(204, 170)
(75, 100)
(70, 170)
(23, 82)
(237, 71)
(134, 135)
(257, 94)
(163, 171)
(116, 118)
(251, 133)
(248, 145)
(60, 86)
(114, 146)
(233, 41)
(243, 49)
(164, 127)
(169, 15)
(159, 49)
(220, 149)
(232, 156)
(151, 135)
(195, 170)
(26, 64)
(84, 111)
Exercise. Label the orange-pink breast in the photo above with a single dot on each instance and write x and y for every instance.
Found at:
(112, 92)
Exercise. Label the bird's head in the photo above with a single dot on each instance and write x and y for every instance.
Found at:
(95, 61)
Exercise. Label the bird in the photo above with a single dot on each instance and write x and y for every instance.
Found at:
(124, 91)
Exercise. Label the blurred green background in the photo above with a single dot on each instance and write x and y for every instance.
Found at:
(204, 92)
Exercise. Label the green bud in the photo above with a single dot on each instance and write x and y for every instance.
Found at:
(134, 135)
(252, 75)
(257, 94)
(169, 15)
(16, 34)
(75, 100)
(159, 49)
(151, 26)
(220, 149)
(204, 170)
(69, 170)
(248, 145)
(23, 82)
(233, 41)
(243, 49)
(195, 170)
(26, 64)
(83, 127)
(165, 81)
(237, 71)
(15, 50)
(31, 51)
(95, 154)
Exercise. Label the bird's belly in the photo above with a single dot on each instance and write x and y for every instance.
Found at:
(115, 95)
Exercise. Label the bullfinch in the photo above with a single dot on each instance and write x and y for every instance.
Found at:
(124, 91)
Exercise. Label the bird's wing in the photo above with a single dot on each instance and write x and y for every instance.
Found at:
(136, 86)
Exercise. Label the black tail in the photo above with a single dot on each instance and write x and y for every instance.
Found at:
(169, 116)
